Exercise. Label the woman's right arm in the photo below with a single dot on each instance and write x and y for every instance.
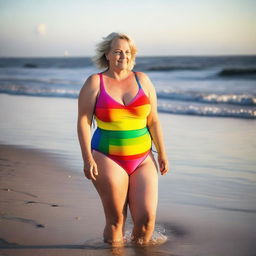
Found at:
(86, 103)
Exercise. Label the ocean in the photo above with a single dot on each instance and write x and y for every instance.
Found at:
(207, 202)
(222, 86)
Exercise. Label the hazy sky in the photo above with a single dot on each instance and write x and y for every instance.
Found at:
(159, 27)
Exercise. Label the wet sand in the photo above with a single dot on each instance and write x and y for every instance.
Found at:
(48, 209)
(45, 208)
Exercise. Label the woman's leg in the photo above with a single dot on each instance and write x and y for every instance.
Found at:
(112, 185)
(143, 194)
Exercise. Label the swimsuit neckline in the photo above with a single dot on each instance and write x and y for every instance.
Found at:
(121, 104)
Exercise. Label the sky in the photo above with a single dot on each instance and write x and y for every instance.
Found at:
(56, 28)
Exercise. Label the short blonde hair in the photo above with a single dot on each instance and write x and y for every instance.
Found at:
(104, 47)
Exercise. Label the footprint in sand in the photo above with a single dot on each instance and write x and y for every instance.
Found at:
(23, 220)
(34, 202)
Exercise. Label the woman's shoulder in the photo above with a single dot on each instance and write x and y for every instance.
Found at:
(141, 75)
(144, 79)
(91, 84)
(92, 80)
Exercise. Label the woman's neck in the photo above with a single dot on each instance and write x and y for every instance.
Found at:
(119, 74)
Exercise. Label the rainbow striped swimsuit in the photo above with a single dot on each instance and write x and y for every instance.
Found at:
(122, 132)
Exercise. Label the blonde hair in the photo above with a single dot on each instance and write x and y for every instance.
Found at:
(104, 47)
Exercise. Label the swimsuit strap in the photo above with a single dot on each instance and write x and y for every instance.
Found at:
(137, 79)
(101, 82)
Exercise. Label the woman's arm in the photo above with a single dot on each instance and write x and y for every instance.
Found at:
(86, 102)
(154, 124)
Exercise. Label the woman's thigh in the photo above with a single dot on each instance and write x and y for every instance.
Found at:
(143, 189)
(112, 185)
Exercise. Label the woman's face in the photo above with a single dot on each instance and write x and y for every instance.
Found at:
(119, 55)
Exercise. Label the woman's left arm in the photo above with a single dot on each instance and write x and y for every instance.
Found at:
(154, 125)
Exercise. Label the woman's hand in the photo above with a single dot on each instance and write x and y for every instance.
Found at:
(90, 169)
(163, 164)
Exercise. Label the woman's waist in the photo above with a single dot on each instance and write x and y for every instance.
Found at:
(123, 134)
(123, 143)
(123, 124)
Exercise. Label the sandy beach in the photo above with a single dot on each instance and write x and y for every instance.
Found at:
(47, 209)
(43, 205)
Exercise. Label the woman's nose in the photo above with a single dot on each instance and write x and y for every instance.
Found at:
(123, 55)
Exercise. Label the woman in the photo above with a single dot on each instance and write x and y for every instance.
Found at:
(118, 158)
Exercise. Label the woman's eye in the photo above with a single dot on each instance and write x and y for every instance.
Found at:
(119, 52)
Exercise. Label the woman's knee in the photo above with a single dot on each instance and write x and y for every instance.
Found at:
(145, 221)
(115, 220)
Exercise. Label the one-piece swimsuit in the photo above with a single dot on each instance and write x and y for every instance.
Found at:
(122, 133)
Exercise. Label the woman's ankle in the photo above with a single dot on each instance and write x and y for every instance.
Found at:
(113, 235)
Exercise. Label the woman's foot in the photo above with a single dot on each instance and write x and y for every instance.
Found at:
(114, 243)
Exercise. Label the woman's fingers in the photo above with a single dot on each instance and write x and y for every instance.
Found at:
(95, 170)
(163, 164)
(164, 171)
(164, 167)
(91, 171)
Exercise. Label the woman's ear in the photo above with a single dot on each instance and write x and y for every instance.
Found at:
(106, 55)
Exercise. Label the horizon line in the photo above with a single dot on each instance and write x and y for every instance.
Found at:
(178, 55)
